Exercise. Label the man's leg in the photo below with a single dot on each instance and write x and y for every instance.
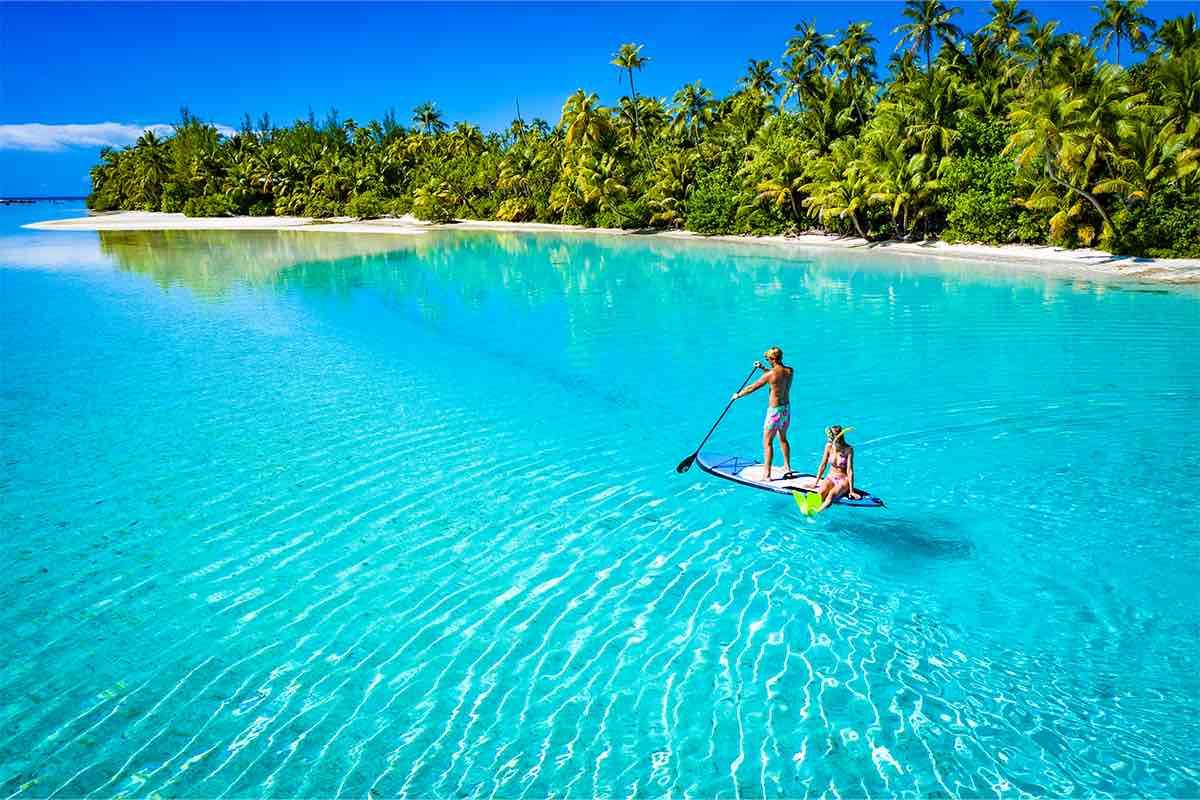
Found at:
(787, 452)
(768, 453)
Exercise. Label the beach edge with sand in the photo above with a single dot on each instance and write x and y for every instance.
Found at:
(1019, 257)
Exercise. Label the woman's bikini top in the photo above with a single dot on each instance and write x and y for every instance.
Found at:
(839, 460)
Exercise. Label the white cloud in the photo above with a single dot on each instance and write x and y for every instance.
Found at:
(53, 138)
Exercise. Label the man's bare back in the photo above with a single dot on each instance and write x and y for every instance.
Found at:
(780, 379)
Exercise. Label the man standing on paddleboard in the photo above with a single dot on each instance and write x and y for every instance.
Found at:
(779, 414)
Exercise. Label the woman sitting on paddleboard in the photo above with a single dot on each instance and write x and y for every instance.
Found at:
(839, 457)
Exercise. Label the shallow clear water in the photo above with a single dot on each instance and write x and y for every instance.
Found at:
(298, 514)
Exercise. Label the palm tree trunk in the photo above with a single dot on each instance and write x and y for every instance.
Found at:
(613, 207)
(1085, 195)
(928, 71)
(857, 225)
(636, 122)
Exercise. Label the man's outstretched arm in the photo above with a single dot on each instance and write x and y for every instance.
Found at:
(754, 387)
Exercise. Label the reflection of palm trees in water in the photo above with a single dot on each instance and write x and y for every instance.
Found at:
(579, 306)
(210, 263)
(574, 310)
(586, 293)
(572, 290)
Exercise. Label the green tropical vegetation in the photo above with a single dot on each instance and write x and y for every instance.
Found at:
(1011, 133)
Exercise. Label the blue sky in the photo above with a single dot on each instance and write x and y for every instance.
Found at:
(135, 64)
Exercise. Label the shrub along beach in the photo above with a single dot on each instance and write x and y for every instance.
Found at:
(1015, 133)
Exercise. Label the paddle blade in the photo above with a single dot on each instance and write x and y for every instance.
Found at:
(686, 464)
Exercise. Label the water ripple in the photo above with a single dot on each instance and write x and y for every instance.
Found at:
(318, 560)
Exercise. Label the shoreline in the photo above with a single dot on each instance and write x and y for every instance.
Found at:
(1018, 257)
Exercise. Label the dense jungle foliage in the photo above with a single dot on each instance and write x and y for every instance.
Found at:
(1013, 133)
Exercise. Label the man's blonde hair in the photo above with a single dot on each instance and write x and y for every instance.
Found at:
(773, 354)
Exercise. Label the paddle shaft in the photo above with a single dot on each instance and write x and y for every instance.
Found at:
(687, 462)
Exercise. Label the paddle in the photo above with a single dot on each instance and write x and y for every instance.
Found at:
(686, 464)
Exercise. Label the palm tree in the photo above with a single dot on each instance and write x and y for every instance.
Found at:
(467, 139)
(693, 110)
(1074, 63)
(990, 82)
(627, 115)
(1151, 155)
(107, 192)
(925, 113)
(629, 58)
(1004, 28)
(150, 168)
(427, 117)
(829, 116)
(1044, 42)
(673, 178)
(516, 170)
(601, 181)
(1110, 105)
(954, 57)
(839, 189)
(652, 113)
(979, 58)
(854, 54)
(333, 176)
(1121, 19)
(1179, 87)
(649, 113)
(1051, 141)
(433, 202)
(808, 49)
(1178, 35)
(795, 76)
(930, 21)
(903, 67)
(586, 121)
(239, 177)
(900, 181)
(760, 79)
(784, 187)
(516, 129)
(738, 120)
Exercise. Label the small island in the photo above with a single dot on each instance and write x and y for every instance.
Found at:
(1016, 133)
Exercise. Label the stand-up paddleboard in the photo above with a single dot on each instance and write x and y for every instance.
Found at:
(750, 473)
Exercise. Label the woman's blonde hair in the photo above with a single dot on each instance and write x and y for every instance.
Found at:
(773, 354)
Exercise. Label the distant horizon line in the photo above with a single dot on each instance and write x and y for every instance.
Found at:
(37, 197)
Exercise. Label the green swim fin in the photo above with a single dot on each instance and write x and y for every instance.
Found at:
(808, 502)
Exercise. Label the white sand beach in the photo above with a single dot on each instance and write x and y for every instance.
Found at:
(1016, 257)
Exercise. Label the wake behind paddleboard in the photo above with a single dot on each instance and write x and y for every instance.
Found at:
(750, 473)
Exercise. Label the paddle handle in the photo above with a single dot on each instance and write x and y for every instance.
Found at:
(726, 411)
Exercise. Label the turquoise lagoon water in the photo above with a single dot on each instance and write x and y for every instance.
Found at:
(296, 514)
